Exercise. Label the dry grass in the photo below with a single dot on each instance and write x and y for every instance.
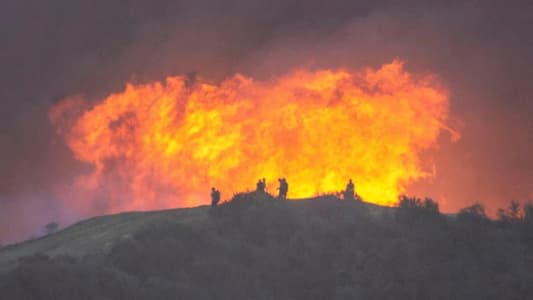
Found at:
(97, 234)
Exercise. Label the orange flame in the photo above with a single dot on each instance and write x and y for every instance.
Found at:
(165, 144)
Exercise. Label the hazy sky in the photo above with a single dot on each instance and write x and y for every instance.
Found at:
(482, 51)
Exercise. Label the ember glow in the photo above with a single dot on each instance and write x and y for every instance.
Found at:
(164, 144)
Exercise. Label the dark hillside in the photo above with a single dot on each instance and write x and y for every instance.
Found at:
(259, 248)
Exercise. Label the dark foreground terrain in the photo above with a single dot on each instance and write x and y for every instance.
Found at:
(259, 248)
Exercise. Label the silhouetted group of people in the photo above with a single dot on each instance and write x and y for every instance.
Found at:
(283, 189)
(261, 185)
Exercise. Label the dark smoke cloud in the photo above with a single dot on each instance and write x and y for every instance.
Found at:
(51, 49)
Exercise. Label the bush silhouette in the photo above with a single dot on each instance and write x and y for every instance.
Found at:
(412, 203)
(511, 215)
(50, 228)
(528, 213)
(473, 213)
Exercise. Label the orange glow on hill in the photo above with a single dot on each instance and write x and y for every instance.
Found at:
(165, 144)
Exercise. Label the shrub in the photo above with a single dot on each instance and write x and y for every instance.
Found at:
(528, 213)
(511, 215)
(412, 210)
(475, 212)
(50, 228)
(428, 205)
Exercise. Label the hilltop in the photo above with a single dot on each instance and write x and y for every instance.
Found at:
(99, 234)
(256, 247)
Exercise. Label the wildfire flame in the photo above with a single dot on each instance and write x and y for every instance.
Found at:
(164, 144)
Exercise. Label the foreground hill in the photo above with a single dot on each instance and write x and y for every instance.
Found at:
(98, 235)
(258, 248)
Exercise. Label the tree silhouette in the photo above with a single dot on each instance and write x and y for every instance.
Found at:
(511, 215)
(51, 228)
(475, 212)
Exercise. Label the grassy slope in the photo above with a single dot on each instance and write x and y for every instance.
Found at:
(97, 234)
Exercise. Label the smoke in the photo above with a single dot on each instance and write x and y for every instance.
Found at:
(54, 49)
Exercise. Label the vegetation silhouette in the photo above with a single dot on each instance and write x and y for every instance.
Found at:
(50, 228)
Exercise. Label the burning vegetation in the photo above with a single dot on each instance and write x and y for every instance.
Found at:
(164, 144)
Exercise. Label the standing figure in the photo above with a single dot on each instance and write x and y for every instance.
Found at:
(283, 189)
(261, 185)
(350, 191)
(215, 197)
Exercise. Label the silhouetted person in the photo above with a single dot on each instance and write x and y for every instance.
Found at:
(261, 185)
(350, 191)
(283, 188)
(215, 196)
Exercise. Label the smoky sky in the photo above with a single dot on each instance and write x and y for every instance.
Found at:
(481, 51)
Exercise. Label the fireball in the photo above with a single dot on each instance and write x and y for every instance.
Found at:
(165, 144)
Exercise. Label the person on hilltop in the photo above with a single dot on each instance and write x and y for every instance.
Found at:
(283, 188)
(349, 192)
(261, 185)
(215, 197)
